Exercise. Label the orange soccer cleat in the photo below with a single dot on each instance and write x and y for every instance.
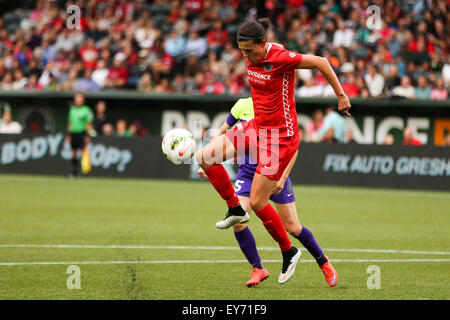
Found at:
(329, 273)
(258, 275)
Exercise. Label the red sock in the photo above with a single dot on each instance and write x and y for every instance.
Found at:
(274, 225)
(220, 180)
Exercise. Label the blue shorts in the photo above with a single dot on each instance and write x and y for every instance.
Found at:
(243, 185)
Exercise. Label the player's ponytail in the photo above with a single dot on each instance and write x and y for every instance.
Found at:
(253, 30)
(265, 22)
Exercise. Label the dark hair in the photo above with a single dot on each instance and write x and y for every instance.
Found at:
(253, 30)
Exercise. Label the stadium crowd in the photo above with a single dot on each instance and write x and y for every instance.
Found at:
(189, 46)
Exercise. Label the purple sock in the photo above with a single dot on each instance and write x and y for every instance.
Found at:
(248, 247)
(307, 239)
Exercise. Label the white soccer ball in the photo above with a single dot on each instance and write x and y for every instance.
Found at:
(178, 146)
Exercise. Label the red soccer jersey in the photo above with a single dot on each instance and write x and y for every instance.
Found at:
(272, 81)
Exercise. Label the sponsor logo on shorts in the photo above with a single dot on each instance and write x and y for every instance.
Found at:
(289, 190)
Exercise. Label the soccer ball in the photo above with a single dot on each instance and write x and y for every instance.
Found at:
(178, 145)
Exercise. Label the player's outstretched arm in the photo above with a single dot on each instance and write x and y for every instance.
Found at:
(322, 64)
(221, 130)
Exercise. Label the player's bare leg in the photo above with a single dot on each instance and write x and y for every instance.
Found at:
(216, 152)
(210, 159)
(262, 188)
(288, 213)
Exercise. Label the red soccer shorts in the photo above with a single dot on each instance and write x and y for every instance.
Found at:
(264, 147)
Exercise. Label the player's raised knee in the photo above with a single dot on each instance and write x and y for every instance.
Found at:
(205, 157)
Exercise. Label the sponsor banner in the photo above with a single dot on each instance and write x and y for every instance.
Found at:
(373, 166)
(423, 167)
(111, 157)
(366, 129)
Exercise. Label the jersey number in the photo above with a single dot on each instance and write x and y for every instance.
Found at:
(237, 185)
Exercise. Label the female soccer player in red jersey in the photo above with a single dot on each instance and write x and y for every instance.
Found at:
(271, 137)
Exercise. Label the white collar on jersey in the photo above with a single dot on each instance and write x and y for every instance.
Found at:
(268, 48)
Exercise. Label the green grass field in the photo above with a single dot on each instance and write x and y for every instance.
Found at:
(165, 231)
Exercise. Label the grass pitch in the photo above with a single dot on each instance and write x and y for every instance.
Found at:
(152, 239)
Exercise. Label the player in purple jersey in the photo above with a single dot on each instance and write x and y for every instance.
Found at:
(283, 197)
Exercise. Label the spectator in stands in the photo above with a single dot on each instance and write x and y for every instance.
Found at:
(374, 81)
(389, 140)
(447, 140)
(100, 73)
(64, 42)
(108, 130)
(329, 136)
(86, 83)
(349, 137)
(49, 51)
(333, 120)
(309, 89)
(408, 138)
(178, 17)
(33, 83)
(217, 66)
(142, 65)
(145, 83)
(178, 83)
(7, 81)
(121, 129)
(8, 126)
(33, 68)
(136, 129)
(217, 37)
(422, 90)
(392, 79)
(228, 53)
(53, 83)
(89, 54)
(350, 87)
(439, 93)
(3, 69)
(100, 118)
(343, 37)
(420, 56)
(132, 129)
(175, 44)
(393, 44)
(118, 75)
(192, 66)
(412, 42)
(312, 129)
(211, 85)
(20, 81)
(163, 86)
(405, 89)
(446, 72)
(196, 45)
(194, 84)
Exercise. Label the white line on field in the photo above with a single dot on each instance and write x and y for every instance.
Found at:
(205, 261)
(94, 246)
